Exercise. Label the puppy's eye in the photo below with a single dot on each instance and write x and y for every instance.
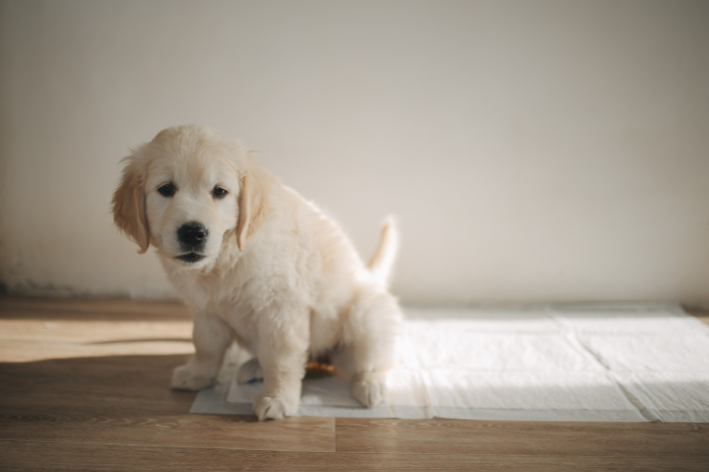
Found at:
(219, 192)
(167, 190)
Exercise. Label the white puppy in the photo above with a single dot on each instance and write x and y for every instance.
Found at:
(258, 264)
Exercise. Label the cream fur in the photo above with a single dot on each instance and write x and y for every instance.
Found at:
(278, 276)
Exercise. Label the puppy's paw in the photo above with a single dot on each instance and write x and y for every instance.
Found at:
(267, 408)
(190, 377)
(249, 371)
(369, 389)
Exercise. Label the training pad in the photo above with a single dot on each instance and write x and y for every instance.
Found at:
(613, 362)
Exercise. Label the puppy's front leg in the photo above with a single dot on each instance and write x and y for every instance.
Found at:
(282, 353)
(211, 337)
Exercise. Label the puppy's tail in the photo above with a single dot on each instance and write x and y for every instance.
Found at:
(382, 261)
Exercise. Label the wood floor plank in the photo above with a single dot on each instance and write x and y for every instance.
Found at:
(303, 434)
(93, 385)
(439, 436)
(95, 331)
(29, 350)
(30, 336)
(29, 455)
(90, 309)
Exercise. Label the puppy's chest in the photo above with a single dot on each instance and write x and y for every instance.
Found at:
(242, 320)
(226, 299)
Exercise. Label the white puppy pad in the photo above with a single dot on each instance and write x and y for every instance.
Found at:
(620, 362)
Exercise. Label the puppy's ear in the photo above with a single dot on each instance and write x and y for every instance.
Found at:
(253, 205)
(129, 205)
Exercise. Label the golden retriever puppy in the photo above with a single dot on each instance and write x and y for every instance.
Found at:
(259, 265)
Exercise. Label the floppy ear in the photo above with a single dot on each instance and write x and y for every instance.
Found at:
(252, 206)
(129, 206)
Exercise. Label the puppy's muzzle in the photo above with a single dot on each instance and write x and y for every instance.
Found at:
(192, 237)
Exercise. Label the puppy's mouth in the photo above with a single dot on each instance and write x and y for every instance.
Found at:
(191, 257)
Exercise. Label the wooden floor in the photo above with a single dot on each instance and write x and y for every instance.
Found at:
(84, 386)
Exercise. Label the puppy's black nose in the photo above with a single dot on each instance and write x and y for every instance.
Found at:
(192, 235)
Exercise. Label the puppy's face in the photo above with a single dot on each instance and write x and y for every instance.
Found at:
(191, 203)
(185, 192)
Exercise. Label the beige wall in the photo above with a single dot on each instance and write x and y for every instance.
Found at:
(533, 150)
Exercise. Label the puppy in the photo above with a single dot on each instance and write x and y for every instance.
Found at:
(258, 264)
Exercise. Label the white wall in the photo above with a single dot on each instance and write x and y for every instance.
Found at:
(533, 150)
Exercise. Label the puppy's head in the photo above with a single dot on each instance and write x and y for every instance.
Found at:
(187, 192)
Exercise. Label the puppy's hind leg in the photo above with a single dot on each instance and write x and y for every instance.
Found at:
(367, 348)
